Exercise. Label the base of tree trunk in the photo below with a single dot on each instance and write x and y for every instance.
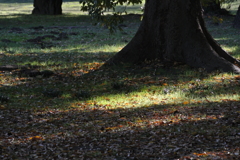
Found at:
(49, 7)
(236, 23)
(174, 31)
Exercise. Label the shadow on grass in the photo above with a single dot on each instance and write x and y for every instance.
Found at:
(65, 19)
(70, 67)
(220, 87)
(232, 43)
(66, 84)
(25, 20)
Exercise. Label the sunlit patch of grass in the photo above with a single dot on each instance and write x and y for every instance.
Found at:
(212, 89)
(234, 7)
(73, 8)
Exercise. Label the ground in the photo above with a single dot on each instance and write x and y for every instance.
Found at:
(135, 112)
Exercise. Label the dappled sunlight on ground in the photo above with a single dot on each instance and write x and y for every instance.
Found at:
(82, 110)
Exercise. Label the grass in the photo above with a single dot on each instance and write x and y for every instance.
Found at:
(83, 111)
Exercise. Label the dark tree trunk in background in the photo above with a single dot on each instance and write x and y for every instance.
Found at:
(174, 31)
(50, 7)
(212, 6)
(236, 22)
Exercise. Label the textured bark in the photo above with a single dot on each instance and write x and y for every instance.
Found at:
(50, 7)
(174, 31)
(236, 22)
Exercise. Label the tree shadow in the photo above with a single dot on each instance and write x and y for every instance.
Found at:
(76, 86)
(69, 79)
(99, 81)
(42, 19)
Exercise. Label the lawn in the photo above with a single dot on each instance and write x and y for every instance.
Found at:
(57, 102)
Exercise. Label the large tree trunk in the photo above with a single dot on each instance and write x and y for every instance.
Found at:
(236, 22)
(174, 31)
(50, 7)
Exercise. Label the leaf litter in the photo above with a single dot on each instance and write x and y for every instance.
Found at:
(152, 133)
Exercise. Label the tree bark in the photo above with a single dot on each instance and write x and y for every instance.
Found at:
(174, 31)
(49, 7)
(236, 23)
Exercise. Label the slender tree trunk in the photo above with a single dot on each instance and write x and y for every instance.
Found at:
(50, 7)
(236, 22)
(174, 31)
